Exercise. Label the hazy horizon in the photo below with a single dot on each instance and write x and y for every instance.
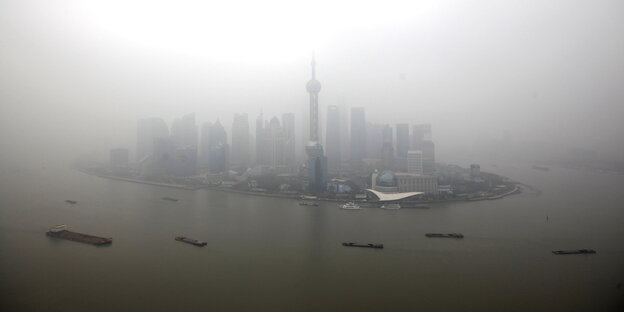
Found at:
(76, 76)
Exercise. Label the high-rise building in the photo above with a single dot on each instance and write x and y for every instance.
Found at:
(428, 159)
(358, 135)
(240, 141)
(288, 128)
(332, 142)
(317, 162)
(263, 142)
(184, 132)
(148, 130)
(276, 143)
(415, 162)
(421, 136)
(402, 140)
(420, 133)
(261, 155)
(184, 161)
(218, 149)
(163, 157)
(387, 148)
(184, 135)
(374, 140)
(204, 145)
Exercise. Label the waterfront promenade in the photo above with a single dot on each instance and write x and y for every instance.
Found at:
(516, 189)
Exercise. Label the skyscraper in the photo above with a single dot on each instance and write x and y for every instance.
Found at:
(317, 162)
(358, 135)
(428, 160)
(184, 136)
(374, 140)
(217, 149)
(333, 139)
(422, 142)
(402, 140)
(276, 143)
(263, 142)
(420, 133)
(148, 130)
(240, 141)
(387, 148)
(204, 145)
(288, 128)
(162, 157)
(184, 132)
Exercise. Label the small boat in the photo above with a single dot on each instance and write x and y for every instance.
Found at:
(170, 199)
(308, 204)
(390, 206)
(368, 245)
(190, 241)
(350, 206)
(574, 252)
(71, 201)
(450, 235)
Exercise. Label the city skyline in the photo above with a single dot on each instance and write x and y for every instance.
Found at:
(351, 155)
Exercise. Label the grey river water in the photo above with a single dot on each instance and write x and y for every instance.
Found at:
(269, 254)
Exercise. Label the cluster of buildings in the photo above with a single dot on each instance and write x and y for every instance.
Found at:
(396, 159)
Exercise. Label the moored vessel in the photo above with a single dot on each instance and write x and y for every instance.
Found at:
(443, 235)
(574, 252)
(315, 204)
(365, 245)
(391, 206)
(350, 206)
(190, 241)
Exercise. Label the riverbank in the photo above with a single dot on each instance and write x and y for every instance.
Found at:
(172, 185)
(514, 190)
(287, 196)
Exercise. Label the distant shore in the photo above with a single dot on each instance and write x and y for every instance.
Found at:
(516, 189)
(172, 185)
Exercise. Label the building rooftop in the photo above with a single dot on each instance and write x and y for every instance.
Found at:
(393, 196)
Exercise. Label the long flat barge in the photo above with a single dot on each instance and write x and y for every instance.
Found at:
(443, 235)
(190, 241)
(61, 232)
(574, 252)
(365, 245)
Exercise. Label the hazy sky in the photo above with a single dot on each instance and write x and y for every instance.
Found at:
(75, 75)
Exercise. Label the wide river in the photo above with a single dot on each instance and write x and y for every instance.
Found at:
(270, 254)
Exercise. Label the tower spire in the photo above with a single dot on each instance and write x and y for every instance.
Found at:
(313, 63)
(314, 87)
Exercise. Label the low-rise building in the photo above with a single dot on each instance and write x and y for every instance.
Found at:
(399, 182)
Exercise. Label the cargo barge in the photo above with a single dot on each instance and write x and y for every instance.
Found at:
(69, 201)
(60, 231)
(451, 235)
(574, 252)
(369, 245)
(190, 241)
(170, 199)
